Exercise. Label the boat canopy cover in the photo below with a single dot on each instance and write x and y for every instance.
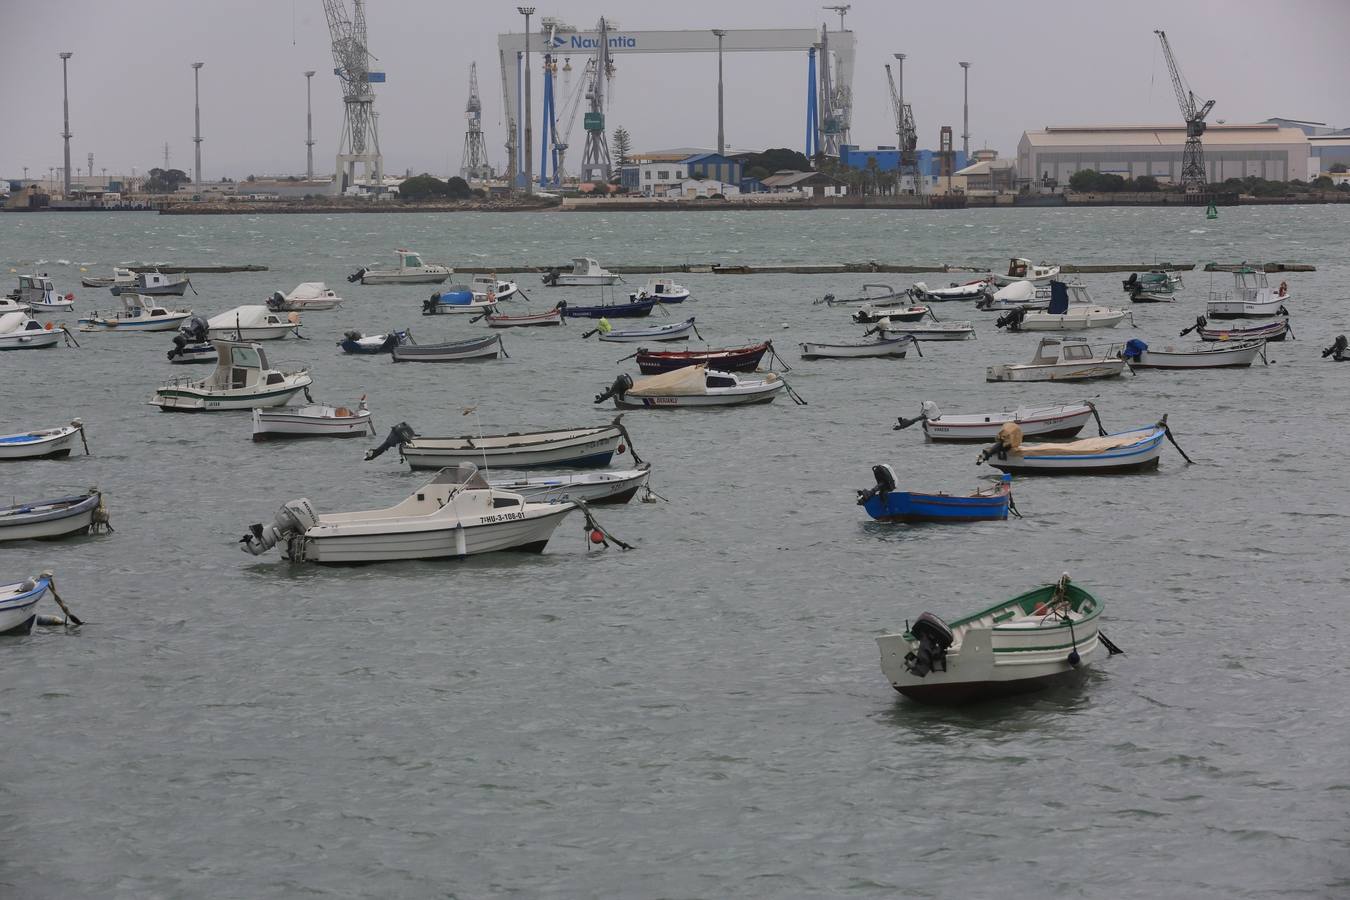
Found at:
(1086, 445)
(466, 473)
(1134, 348)
(1017, 291)
(1059, 298)
(309, 290)
(12, 322)
(687, 381)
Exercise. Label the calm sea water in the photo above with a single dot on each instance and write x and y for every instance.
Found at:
(704, 716)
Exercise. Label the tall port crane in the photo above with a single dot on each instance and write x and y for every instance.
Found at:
(906, 134)
(595, 163)
(1193, 178)
(562, 137)
(474, 165)
(360, 142)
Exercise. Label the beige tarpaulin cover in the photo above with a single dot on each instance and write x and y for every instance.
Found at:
(690, 381)
(1086, 445)
(1010, 435)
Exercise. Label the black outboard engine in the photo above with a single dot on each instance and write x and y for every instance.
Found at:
(399, 435)
(1337, 349)
(934, 638)
(885, 478)
(276, 302)
(357, 275)
(621, 386)
(1130, 282)
(429, 305)
(929, 410)
(550, 277)
(1200, 322)
(1012, 319)
(193, 331)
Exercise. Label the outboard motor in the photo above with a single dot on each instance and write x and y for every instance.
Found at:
(622, 385)
(1134, 349)
(934, 638)
(399, 435)
(276, 302)
(1130, 282)
(885, 478)
(550, 277)
(193, 331)
(1012, 319)
(429, 305)
(1200, 322)
(1337, 349)
(928, 411)
(357, 275)
(294, 518)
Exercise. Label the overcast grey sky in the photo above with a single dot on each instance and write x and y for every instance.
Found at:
(1036, 63)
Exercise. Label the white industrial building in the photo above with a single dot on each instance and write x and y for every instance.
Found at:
(1268, 151)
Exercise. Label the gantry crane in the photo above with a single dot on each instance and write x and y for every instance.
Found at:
(906, 134)
(1193, 178)
(474, 165)
(360, 142)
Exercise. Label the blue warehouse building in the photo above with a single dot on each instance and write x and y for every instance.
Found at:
(888, 160)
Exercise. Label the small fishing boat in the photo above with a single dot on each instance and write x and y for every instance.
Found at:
(927, 331)
(971, 290)
(457, 299)
(1035, 421)
(662, 290)
(900, 312)
(1136, 450)
(636, 309)
(357, 343)
(882, 347)
(585, 272)
(152, 284)
(18, 331)
(1071, 309)
(410, 270)
(242, 380)
(553, 316)
(692, 386)
(609, 486)
(37, 294)
(872, 295)
(1274, 330)
(192, 344)
(252, 323)
(47, 519)
(125, 276)
(1156, 280)
(498, 288)
(1040, 639)
(310, 295)
(18, 604)
(1020, 269)
(731, 359)
(578, 447)
(1152, 295)
(1018, 295)
(1252, 297)
(673, 331)
(490, 347)
(316, 420)
(43, 443)
(1062, 359)
(456, 514)
(885, 504)
(137, 314)
(1240, 354)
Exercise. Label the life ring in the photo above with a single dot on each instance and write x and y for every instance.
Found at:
(1284, 288)
(48, 327)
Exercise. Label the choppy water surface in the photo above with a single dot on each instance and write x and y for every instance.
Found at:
(705, 716)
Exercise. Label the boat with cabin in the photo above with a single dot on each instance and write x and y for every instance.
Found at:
(458, 299)
(1021, 269)
(1018, 295)
(886, 504)
(410, 270)
(138, 313)
(37, 294)
(491, 285)
(242, 379)
(1062, 359)
(1070, 309)
(1252, 297)
(585, 272)
(19, 331)
(662, 290)
(152, 284)
(356, 343)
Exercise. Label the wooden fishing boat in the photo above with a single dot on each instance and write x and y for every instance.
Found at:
(731, 359)
(886, 504)
(1238, 354)
(882, 347)
(609, 486)
(152, 284)
(1020, 269)
(18, 605)
(43, 443)
(1062, 359)
(1274, 330)
(356, 343)
(311, 295)
(928, 331)
(137, 314)
(900, 312)
(1035, 421)
(576, 447)
(872, 295)
(1136, 450)
(252, 323)
(410, 270)
(18, 331)
(315, 420)
(673, 331)
(971, 290)
(479, 348)
(1036, 640)
(48, 519)
(242, 379)
(692, 386)
(553, 316)
(636, 309)
(456, 300)
(1070, 309)
(585, 272)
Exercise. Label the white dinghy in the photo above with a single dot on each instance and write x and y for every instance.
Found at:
(692, 386)
(973, 290)
(1021, 269)
(882, 347)
(315, 420)
(242, 380)
(926, 331)
(456, 514)
(252, 323)
(18, 604)
(1224, 354)
(48, 519)
(1070, 309)
(1035, 421)
(44, 443)
(1062, 359)
(673, 331)
(311, 295)
(609, 486)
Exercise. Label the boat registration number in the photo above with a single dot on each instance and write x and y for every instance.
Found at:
(503, 517)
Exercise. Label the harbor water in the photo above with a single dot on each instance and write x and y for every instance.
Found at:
(703, 716)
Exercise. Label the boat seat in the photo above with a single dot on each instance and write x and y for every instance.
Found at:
(342, 412)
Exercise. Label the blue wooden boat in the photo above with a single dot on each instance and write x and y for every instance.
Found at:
(634, 310)
(885, 504)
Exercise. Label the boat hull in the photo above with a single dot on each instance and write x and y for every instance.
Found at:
(405, 278)
(1239, 310)
(57, 446)
(744, 360)
(1060, 372)
(30, 340)
(1238, 356)
(911, 508)
(595, 488)
(565, 280)
(639, 310)
(18, 607)
(895, 348)
(1139, 457)
(1038, 321)
(594, 449)
(937, 333)
(677, 331)
(282, 425)
(251, 332)
(186, 399)
(1273, 331)
(529, 534)
(459, 351)
(553, 317)
(1066, 424)
(152, 323)
(41, 525)
(745, 395)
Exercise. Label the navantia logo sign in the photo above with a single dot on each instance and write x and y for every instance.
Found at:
(580, 42)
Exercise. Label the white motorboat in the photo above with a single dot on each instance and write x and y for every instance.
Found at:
(252, 323)
(577, 447)
(609, 486)
(10, 305)
(152, 284)
(692, 386)
(673, 331)
(1044, 637)
(315, 420)
(1062, 359)
(48, 519)
(1071, 309)
(498, 288)
(926, 331)
(1035, 421)
(19, 331)
(44, 443)
(311, 295)
(456, 514)
(872, 295)
(585, 272)
(37, 294)
(883, 347)
(458, 299)
(971, 290)
(1225, 354)
(663, 290)
(1021, 269)
(18, 604)
(1136, 450)
(137, 314)
(242, 380)
(410, 270)
(1252, 297)
(358, 344)
(1018, 295)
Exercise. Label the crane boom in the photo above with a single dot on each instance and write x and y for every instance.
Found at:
(1185, 98)
(1193, 176)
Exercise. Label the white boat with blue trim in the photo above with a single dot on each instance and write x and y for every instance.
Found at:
(1136, 450)
(36, 292)
(138, 313)
(43, 520)
(242, 379)
(43, 443)
(577, 447)
(18, 604)
(252, 323)
(19, 331)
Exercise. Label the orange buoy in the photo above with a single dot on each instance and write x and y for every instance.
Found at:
(49, 326)
(597, 536)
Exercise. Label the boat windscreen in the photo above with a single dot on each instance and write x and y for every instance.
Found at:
(466, 473)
